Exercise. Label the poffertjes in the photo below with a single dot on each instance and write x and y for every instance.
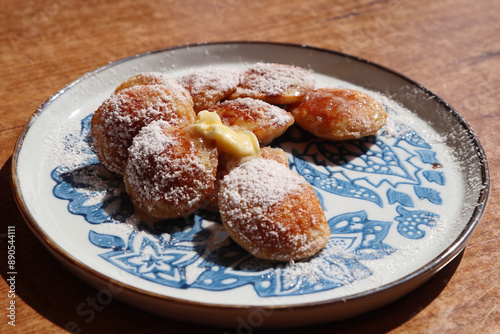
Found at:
(272, 212)
(149, 78)
(339, 114)
(121, 116)
(265, 120)
(209, 86)
(275, 83)
(170, 171)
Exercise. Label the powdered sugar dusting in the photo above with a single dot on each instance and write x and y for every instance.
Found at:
(274, 79)
(155, 172)
(210, 85)
(259, 183)
(265, 120)
(260, 110)
(151, 78)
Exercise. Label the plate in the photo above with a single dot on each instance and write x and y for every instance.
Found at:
(400, 205)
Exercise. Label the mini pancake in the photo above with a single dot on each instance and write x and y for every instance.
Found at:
(265, 120)
(123, 115)
(149, 78)
(170, 171)
(339, 114)
(275, 83)
(274, 153)
(272, 212)
(209, 86)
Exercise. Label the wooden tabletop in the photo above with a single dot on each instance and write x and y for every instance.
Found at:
(452, 47)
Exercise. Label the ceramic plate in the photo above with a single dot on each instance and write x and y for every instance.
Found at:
(400, 205)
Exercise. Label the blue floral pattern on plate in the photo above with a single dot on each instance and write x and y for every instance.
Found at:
(196, 252)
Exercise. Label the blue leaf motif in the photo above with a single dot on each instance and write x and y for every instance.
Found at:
(430, 194)
(394, 196)
(321, 199)
(106, 240)
(435, 176)
(351, 222)
(427, 156)
(411, 222)
(374, 232)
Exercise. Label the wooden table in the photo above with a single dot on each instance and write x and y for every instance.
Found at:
(451, 47)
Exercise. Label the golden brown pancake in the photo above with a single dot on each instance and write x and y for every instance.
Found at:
(149, 78)
(120, 117)
(209, 86)
(272, 212)
(265, 120)
(170, 171)
(275, 83)
(339, 114)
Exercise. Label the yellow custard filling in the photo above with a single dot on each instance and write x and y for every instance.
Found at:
(241, 144)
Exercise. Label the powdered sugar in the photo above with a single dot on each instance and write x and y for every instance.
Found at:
(265, 120)
(260, 183)
(209, 86)
(250, 190)
(256, 110)
(152, 78)
(274, 79)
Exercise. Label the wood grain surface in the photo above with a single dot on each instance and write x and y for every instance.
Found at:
(451, 47)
